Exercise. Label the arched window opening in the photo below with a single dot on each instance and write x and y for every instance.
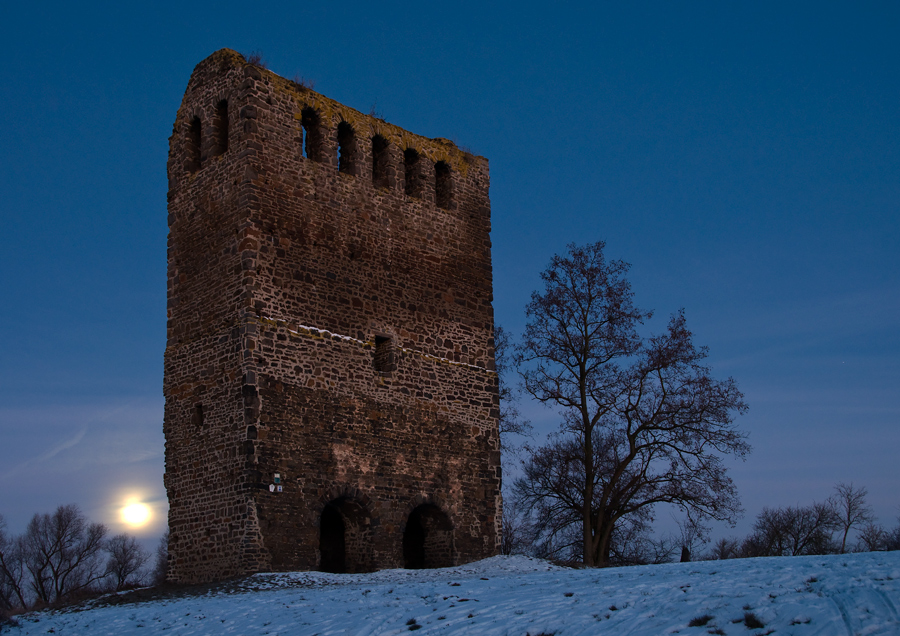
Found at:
(346, 148)
(411, 169)
(192, 146)
(380, 157)
(428, 539)
(220, 125)
(443, 185)
(345, 537)
(313, 146)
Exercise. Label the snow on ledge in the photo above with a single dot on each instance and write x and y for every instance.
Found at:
(325, 333)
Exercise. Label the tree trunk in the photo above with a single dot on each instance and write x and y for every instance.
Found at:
(601, 546)
(588, 538)
(586, 514)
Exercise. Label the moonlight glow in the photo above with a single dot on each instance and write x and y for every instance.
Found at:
(136, 514)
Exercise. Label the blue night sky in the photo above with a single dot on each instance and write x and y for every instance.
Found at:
(743, 157)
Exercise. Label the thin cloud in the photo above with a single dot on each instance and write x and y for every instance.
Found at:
(50, 454)
(109, 440)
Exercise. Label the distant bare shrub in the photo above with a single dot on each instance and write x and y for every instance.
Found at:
(633, 543)
(516, 536)
(725, 548)
(304, 82)
(872, 538)
(692, 536)
(256, 59)
(792, 531)
(892, 539)
(161, 566)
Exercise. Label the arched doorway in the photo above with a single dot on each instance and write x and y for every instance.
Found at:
(345, 541)
(428, 539)
(332, 541)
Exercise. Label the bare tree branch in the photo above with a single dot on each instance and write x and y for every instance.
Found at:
(511, 422)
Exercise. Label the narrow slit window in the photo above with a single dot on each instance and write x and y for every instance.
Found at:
(411, 169)
(221, 128)
(443, 185)
(192, 145)
(198, 415)
(299, 139)
(380, 161)
(384, 354)
(346, 148)
(312, 134)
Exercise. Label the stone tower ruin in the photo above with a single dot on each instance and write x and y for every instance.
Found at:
(331, 401)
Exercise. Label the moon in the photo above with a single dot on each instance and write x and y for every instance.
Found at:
(136, 514)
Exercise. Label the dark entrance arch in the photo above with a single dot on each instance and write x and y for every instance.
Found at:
(345, 541)
(428, 539)
(332, 541)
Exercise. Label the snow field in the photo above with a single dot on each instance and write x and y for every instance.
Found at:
(857, 594)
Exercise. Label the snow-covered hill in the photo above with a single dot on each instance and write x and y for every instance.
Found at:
(515, 596)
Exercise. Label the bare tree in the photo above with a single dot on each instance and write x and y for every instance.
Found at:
(12, 571)
(892, 538)
(63, 554)
(792, 531)
(644, 422)
(851, 508)
(125, 565)
(6, 592)
(872, 538)
(892, 542)
(725, 548)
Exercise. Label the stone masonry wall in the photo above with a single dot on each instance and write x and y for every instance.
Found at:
(330, 333)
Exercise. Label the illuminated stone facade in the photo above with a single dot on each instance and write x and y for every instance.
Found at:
(330, 395)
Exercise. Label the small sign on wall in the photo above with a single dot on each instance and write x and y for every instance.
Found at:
(276, 486)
